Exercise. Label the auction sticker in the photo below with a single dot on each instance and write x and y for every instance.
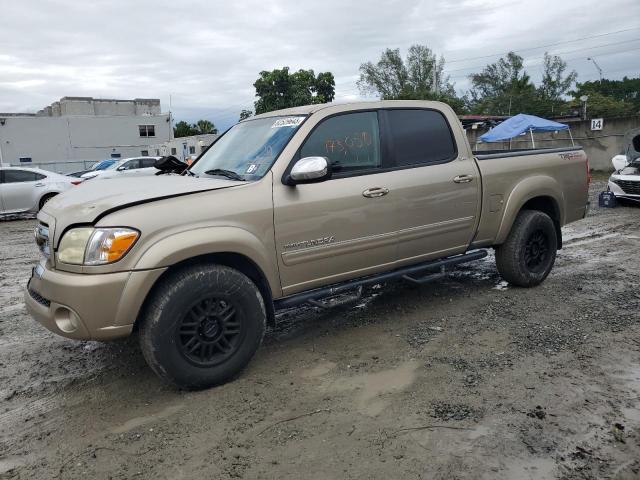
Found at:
(287, 122)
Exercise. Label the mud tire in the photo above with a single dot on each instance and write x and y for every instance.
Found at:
(185, 308)
(529, 252)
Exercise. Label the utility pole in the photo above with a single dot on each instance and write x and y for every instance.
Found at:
(584, 99)
(170, 120)
(1, 125)
(598, 67)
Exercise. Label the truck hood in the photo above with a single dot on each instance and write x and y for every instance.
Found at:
(93, 199)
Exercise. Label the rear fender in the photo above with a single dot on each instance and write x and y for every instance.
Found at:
(525, 190)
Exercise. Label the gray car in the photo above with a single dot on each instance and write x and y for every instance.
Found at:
(24, 190)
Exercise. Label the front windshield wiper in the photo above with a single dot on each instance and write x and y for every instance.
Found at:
(225, 173)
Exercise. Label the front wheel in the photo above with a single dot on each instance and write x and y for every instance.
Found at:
(202, 325)
(529, 252)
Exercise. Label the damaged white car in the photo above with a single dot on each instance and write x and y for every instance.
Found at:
(624, 183)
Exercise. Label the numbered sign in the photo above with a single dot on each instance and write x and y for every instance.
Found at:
(597, 123)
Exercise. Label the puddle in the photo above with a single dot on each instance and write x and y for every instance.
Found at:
(502, 286)
(372, 388)
(139, 421)
(319, 370)
(630, 377)
(530, 469)
(8, 464)
(478, 432)
(632, 414)
(584, 240)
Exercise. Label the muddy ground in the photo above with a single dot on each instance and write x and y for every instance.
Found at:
(461, 379)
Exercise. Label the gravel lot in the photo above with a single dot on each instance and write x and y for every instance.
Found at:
(465, 378)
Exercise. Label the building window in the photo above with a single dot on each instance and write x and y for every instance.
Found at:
(144, 153)
(157, 152)
(173, 151)
(147, 130)
(116, 155)
(192, 149)
(25, 159)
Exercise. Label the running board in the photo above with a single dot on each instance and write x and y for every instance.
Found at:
(427, 278)
(407, 273)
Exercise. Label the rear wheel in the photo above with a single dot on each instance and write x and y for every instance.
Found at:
(45, 199)
(527, 256)
(202, 325)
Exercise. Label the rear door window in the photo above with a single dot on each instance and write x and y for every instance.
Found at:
(420, 137)
(148, 162)
(350, 141)
(20, 176)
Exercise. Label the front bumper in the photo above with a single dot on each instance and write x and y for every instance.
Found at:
(88, 307)
(629, 193)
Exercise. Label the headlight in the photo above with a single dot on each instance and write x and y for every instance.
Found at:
(96, 246)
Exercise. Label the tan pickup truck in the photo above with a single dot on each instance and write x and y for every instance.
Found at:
(293, 206)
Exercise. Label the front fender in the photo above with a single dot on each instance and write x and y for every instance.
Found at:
(182, 246)
(525, 190)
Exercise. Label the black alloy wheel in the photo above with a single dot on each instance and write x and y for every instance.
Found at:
(210, 332)
(536, 251)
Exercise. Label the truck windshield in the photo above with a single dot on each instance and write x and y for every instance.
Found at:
(249, 148)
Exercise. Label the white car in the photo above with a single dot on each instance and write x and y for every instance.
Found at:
(26, 190)
(624, 183)
(135, 166)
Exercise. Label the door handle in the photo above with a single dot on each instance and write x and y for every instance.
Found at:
(463, 178)
(375, 192)
(39, 185)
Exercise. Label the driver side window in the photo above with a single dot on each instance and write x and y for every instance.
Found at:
(350, 141)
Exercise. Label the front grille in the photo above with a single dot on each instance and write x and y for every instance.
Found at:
(629, 187)
(37, 297)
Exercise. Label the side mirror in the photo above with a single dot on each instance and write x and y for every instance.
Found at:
(309, 170)
(121, 168)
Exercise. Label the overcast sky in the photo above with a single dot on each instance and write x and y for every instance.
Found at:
(207, 54)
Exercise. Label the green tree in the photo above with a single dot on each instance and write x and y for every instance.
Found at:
(183, 129)
(555, 84)
(279, 89)
(503, 88)
(205, 126)
(244, 114)
(599, 105)
(626, 90)
(419, 77)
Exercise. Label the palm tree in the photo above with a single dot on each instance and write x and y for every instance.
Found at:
(205, 126)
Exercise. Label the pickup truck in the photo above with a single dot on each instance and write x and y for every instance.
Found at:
(293, 206)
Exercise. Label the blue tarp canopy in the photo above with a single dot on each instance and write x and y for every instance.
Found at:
(514, 126)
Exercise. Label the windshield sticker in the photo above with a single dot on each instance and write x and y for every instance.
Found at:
(287, 122)
(251, 168)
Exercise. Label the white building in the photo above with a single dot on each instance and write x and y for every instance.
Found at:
(184, 147)
(75, 132)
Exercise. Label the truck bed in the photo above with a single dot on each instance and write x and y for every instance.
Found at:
(558, 174)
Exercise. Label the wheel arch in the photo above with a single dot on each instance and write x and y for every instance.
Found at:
(234, 260)
(44, 196)
(548, 205)
(541, 193)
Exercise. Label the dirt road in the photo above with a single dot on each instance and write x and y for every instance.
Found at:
(468, 378)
